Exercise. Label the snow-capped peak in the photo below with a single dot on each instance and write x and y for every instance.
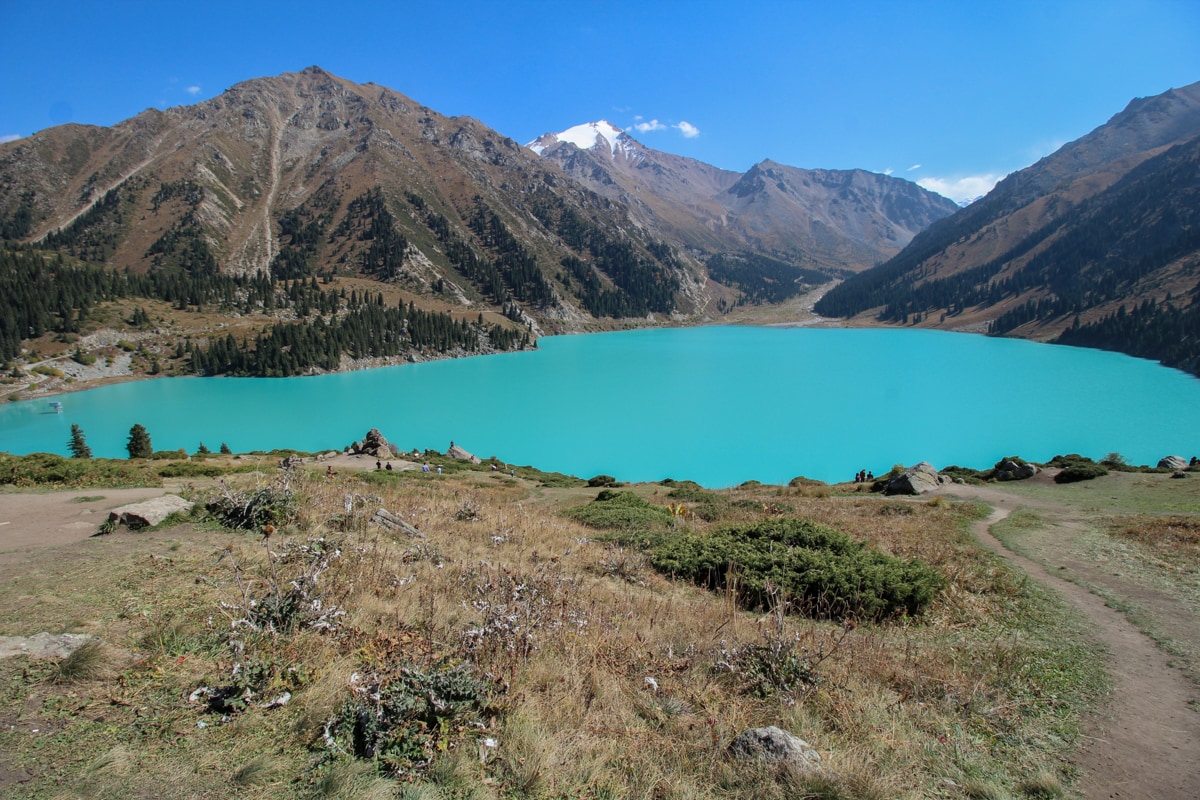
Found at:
(588, 136)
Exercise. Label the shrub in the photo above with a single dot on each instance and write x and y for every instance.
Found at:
(187, 469)
(250, 510)
(820, 571)
(403, 720)
(1080, 472)
(602, 480)
(39, 469)
(1076, 468)
(620, 511)
(800, 482)
(966, 474)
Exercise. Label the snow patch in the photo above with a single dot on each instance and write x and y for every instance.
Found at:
(588, 136)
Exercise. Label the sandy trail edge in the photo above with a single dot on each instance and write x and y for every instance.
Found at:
(1146, 743)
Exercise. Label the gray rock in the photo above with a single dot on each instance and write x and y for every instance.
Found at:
(1179, 474)
(149, 512)
(1010, 470)
(915, 480)
(43, 645)
(462, 455)
(777, 746)
(1173, 462)
(373, 444)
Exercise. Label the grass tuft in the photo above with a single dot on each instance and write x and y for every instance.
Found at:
(86, 663)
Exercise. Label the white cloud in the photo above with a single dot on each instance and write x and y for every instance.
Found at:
(9, 137)
(914, 166)
(646, 127)
(888, 171)
(961, 189)
(688, 130)
(193, 90)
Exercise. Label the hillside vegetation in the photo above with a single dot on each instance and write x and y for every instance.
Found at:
(512, 651)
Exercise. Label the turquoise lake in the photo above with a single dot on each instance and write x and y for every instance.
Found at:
(718, 405)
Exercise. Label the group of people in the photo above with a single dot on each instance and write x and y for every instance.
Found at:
(379, 465)
(864, 476)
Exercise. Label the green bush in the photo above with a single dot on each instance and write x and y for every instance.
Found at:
(1076, 468)
(1080, 472)
(822, 572)
(602, 480)
(188, 469)
(620, 511)
(692, 494)
(966, 474)
(39, 469)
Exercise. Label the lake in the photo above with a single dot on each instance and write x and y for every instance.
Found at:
(718, 405)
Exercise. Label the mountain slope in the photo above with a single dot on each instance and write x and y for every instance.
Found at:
(834, 220)
(306, 174)
(1019, 247)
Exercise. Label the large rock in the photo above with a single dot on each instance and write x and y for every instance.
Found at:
(373, 444)
(1009, 470)
(915, 480)
(1173, 462)
(149, 512)
(777, 746)
(462, 455)
(43, 645)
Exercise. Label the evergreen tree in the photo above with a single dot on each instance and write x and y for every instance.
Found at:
(202, 450)
(225, 451)
(139, 443)
(78, 444)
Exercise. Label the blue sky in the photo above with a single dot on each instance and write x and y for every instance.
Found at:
(950, 94)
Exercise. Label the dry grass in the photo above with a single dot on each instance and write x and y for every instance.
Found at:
(605, 679)
(1174, 540)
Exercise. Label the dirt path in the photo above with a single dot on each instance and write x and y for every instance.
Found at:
(1146, 742)
(47, 519)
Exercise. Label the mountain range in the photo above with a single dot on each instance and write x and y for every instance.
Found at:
(835, 220)
(307, 177)
(307, 174)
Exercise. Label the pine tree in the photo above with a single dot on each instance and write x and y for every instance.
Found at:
(202, 450)
(225, 449)
(139, 443)
(78, 444)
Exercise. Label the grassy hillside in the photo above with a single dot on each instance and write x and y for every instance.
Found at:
(539, 640)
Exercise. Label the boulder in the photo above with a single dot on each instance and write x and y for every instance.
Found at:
(1009, 470)
(373, 444)
(458, 453)
(43, 645)
(776, 746)
(1179, 474)
(915, 480)
(1173, 462)
(149, 512)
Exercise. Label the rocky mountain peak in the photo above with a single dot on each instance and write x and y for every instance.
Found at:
(598, 136)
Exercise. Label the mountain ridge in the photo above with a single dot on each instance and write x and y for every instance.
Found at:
(842, 221)
(1000, 263)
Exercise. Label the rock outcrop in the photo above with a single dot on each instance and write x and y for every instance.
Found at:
(1009, 470)
(777, 746)
(373, 444)
(915, 480)
(457, 452)
(1173, 462)
(149, 512)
